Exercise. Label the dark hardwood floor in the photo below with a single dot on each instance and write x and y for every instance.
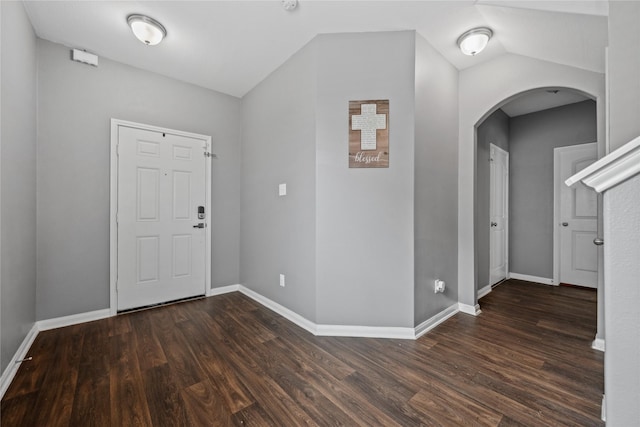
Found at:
(226, 360)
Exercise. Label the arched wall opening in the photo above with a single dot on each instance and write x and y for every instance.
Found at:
(483, 89)
(525, 132)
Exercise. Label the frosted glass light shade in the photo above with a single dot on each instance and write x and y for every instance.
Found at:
(147, 30)
(474, 41)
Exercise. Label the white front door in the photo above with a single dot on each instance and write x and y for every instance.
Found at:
(578, 218)
(161, 190)
(499, 214)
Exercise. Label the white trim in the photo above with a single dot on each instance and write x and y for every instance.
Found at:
(44, 325)
(473, 310)
(507, 213)
(113, 228)
(556, 216)
(350, 330)
(535, 279)
(208, 222)
(612, 169)
(12, 368)
(365, 331)
(113, 225)
(434, 321)
(281, 310)
(484, 291)
(211, 292)
(74, 319)
(598, 344)
(603, 409)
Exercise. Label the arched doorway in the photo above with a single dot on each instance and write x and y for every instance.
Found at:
(483, 89)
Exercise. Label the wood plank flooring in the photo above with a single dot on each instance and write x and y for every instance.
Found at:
(226, 360)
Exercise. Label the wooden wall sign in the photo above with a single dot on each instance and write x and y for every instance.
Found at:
(369, 134)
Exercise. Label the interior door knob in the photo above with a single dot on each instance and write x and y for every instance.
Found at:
(565, 224)
(494, 224)
(598, 241)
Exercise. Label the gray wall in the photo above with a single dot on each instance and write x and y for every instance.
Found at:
(622, 293)
(623, 71)
(76, 103)
(364, 217)
(278, 146)
(622, 224)
(436, 181)
(18, 183)
(494, 130)
(344, 237)
(532, 138)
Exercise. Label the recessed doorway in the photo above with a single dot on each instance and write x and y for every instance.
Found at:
(160, 204)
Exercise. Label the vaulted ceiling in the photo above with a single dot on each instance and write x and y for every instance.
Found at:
(230, 46)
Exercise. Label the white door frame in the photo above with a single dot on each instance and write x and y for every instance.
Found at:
(507, 221)
(557, 185)
(113, 225)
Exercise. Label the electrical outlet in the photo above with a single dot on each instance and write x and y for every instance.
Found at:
(439, 286)
(282, 280)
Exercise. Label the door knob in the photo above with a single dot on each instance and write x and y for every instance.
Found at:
(494, 224)
(598, 241)
(565, 224)
(201, 225)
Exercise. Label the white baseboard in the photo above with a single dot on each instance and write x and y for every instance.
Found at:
(603, 409)
(45, 325)
(473, 310)
(222, 290)
(21, 353)
(281, 310)
(535, 279)
(434, 321)
(484, 291)
(350, 330)
(598, 344)
(365, 331)
(74, 319)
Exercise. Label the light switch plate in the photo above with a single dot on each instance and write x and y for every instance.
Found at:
(282, 189)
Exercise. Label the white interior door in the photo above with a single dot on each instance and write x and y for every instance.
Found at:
(161, 187)
(578, 219)
(499, 215)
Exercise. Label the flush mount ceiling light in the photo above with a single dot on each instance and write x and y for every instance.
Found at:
(147, 30)
(474, 41)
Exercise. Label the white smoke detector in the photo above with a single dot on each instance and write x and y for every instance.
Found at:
(289, 4)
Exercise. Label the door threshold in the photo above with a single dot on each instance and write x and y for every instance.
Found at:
(499, 282)
(570, 285)
(160, 304)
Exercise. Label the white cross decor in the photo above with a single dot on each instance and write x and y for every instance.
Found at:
(368, 133)
(368, 122)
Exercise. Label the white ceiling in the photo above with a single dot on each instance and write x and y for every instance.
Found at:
(541, 100)
(230, 46)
